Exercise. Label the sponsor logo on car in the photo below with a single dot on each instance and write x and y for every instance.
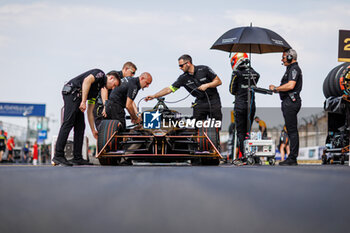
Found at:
(151, 120)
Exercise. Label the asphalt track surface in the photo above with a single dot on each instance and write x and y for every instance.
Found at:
(175, 199)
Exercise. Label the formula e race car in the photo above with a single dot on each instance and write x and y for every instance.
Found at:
(168, 137)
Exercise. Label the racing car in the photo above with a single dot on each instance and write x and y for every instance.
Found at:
(174, 139)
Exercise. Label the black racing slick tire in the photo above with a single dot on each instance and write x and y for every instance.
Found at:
(107, 129)
(332, 84)
(204, 144)
(109, 161)
(210, 161)
(325, 85)
(213, 135)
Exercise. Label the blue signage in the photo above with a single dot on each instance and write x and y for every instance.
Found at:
(42, 135)
(22, 110)
(151, 120)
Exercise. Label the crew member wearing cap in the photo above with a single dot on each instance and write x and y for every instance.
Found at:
(289, 90)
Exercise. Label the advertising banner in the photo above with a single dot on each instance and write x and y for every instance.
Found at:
(22, 110)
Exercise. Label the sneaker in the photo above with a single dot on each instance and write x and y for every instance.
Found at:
(125, 162)
(80, 161)
(240, 162)
(61, 161)
(288, 162)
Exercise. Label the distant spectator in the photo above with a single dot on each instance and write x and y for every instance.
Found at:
(3, 141)
(284, 143)
(44, 153)
(10, 147)
(35, 153)
(25, 153)
(262, 127)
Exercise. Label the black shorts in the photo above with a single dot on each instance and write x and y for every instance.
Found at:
(10, 152)
(2, 148)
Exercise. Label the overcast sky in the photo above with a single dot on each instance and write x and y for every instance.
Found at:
(43, 44)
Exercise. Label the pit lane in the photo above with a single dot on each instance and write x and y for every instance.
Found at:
(306, 198)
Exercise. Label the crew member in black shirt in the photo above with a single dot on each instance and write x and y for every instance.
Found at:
(123, 97)
(289, 90)
(75, 94)
(3, 142)
(128, 70)
(239, 88)
(201, 82)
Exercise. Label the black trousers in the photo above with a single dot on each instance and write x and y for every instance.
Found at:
(73, 118)
(115, 111)
(202, 111)
(241, 120)
(290, 111)
(264, 135)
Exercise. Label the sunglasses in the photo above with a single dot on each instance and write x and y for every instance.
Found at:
(133, 72)
(181, 65)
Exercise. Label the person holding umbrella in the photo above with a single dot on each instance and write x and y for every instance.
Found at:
(289, 91)
(241, 74)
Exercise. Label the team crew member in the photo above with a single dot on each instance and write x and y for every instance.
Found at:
(201, 82)
(75, 94)
(3, 142)
(10, 147)
(128, 70)
(239, 88)
(262, 127)
(123, 97)
(289, 90)
(284, 143)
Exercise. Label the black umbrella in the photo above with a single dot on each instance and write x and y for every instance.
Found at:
(251, 40)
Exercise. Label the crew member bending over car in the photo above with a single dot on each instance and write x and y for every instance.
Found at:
(128, 70)
(201, 82)
(75, 94)
(123, 97)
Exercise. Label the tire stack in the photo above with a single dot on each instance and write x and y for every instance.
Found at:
(337, 110)
(331, 84)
